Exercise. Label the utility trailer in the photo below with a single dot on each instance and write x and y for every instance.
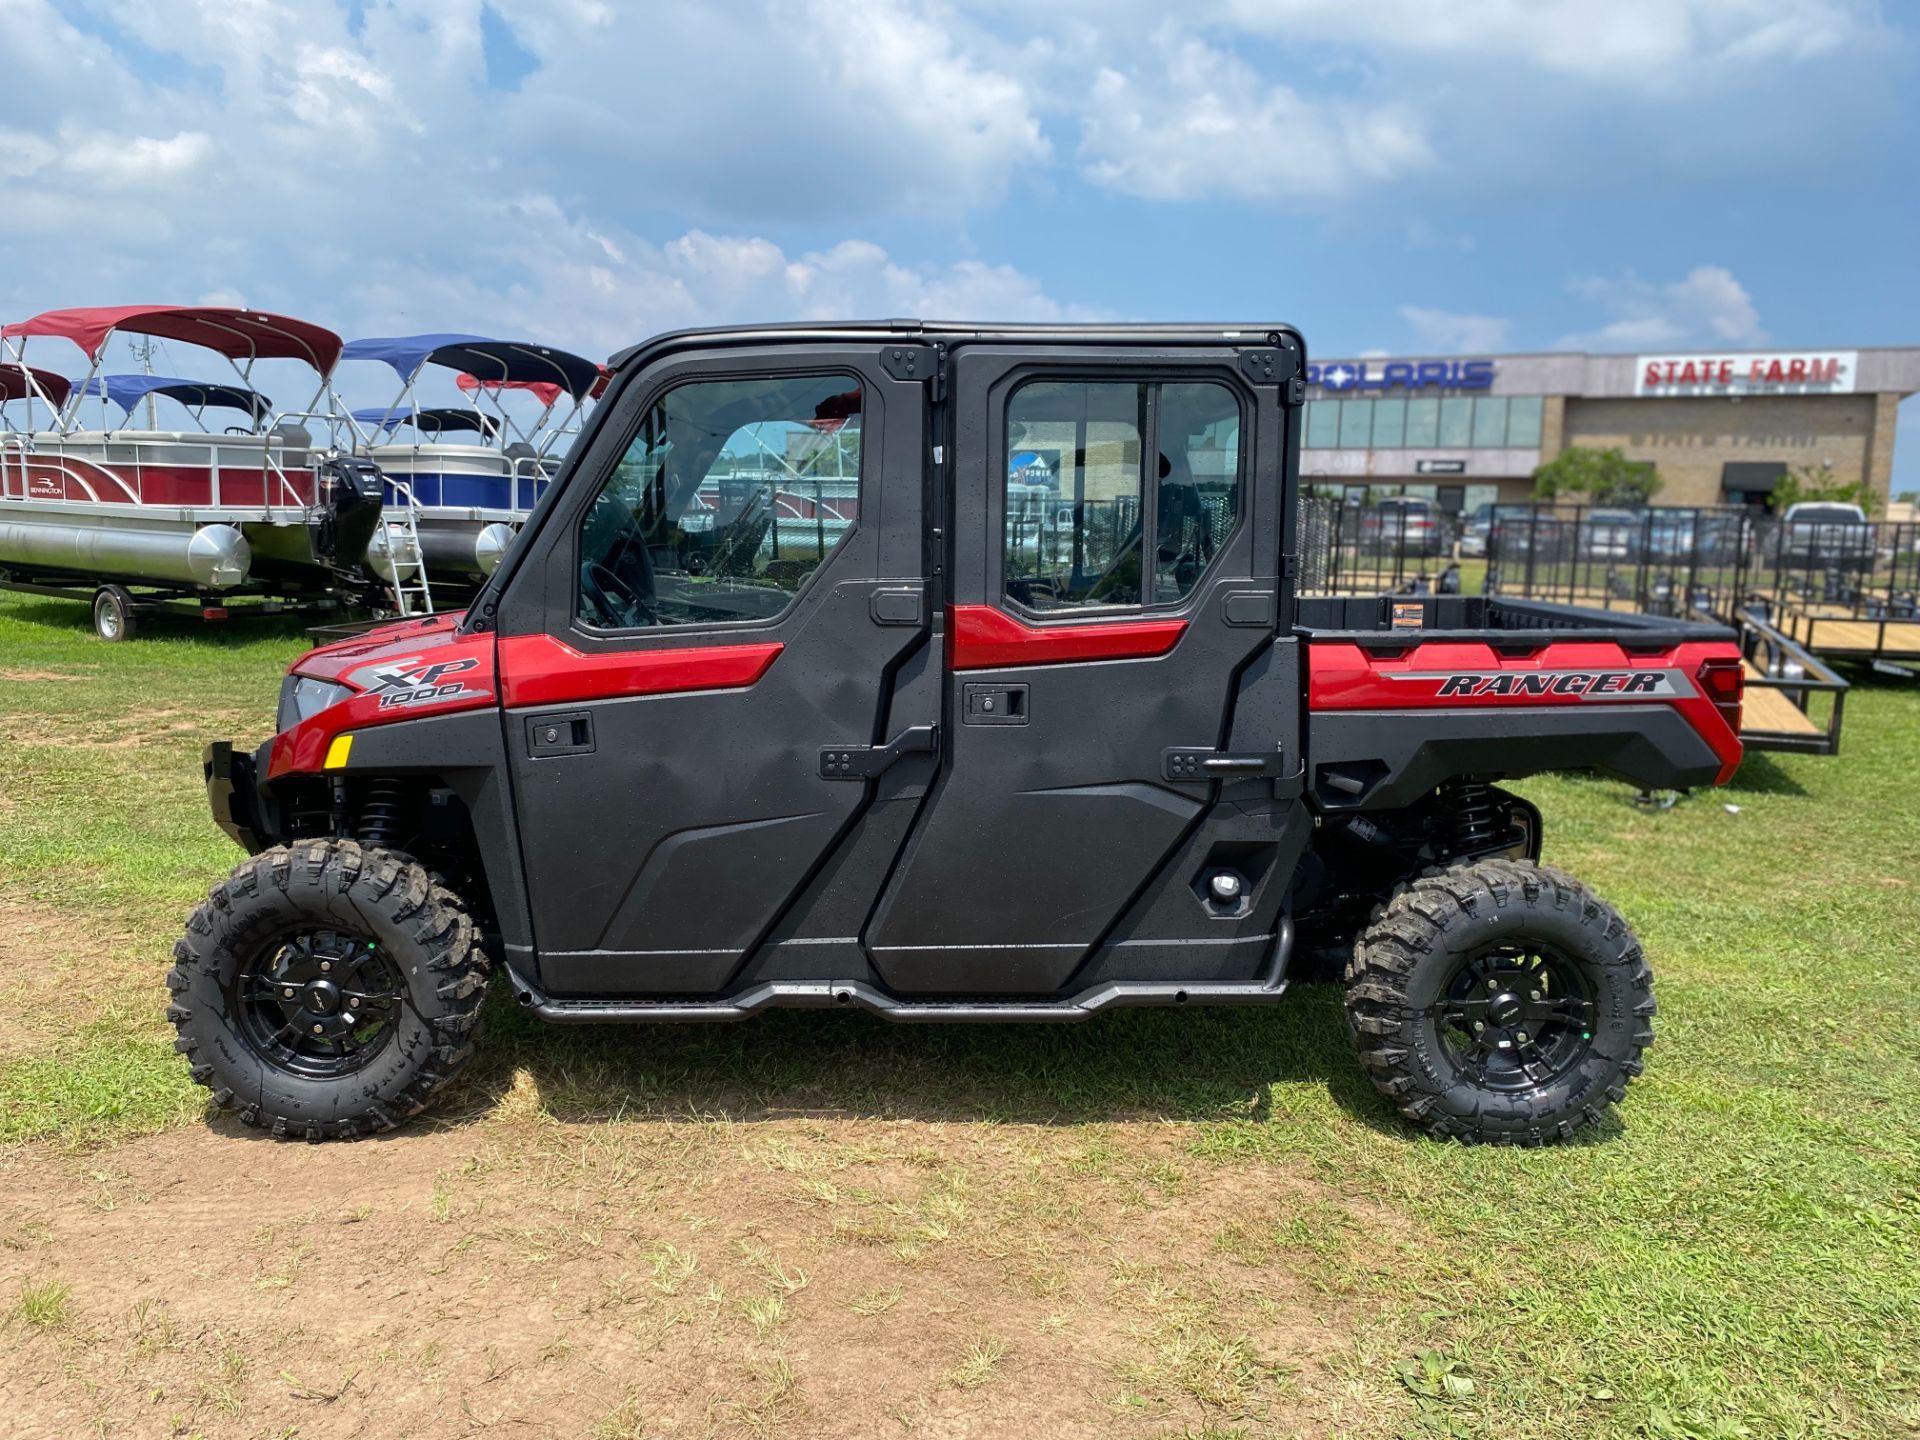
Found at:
(949, 767)
(1727, 564)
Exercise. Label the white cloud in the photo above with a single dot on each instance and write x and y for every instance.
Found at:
(1707, 306)
(580, 294)
(1447, 330)
(1209, 125)
(372, 181)
(136, 162)
(1625, 44)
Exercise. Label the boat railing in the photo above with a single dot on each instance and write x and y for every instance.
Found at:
(321, 444)
(535, 471)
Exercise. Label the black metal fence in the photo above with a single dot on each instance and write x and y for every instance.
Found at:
(1369, 550)
(1826, 579)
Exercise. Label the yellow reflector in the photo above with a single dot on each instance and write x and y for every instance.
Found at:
(337, 752)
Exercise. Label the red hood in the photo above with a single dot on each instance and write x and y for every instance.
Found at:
(383, 642)
(406, 671)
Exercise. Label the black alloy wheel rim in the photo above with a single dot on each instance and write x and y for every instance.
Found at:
(319, 1004)
(1514, 1017)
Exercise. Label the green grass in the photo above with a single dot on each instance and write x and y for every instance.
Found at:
(1737, 1254)
(43, 1303)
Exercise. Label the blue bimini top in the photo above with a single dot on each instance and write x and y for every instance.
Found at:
(127, 391)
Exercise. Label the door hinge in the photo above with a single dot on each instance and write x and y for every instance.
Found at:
(918, 362)
(863, 762)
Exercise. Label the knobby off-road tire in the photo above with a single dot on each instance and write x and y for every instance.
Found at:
(261, 953)
(1459, 961)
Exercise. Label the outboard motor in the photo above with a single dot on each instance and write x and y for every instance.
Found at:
(350, 495)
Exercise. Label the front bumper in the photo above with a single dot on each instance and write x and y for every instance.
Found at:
(234, 796)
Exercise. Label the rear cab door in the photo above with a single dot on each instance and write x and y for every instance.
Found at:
(1115, 592)
(721, 607)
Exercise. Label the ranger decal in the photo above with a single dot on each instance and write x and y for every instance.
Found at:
(1640, 684)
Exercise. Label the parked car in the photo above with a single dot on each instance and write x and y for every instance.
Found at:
(1825, 535)
(895, 786)
(1475, 530)
(1520, 531)
(1612, 534)
(1698, 537)
(1404, 525)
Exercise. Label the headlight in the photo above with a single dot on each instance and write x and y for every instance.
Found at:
(302, 697)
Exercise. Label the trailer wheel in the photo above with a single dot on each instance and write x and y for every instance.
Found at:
(326, 990)
(1500, 1001)
(113, 617)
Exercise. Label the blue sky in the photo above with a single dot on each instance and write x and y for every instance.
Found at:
(1399, 176)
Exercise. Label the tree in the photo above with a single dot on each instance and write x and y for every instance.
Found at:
(1816, 482)
(1598, 477)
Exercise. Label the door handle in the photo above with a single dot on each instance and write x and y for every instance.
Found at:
(863, 762)
(570, 734)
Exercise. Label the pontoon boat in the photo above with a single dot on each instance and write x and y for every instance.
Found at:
(472, 494)
(198, 512)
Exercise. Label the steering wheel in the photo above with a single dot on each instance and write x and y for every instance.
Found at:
(605, 587)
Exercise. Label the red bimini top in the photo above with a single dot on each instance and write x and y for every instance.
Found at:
(237, 334)
(17, 382)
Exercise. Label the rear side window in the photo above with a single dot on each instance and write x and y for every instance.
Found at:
(727, 500)
(1118, 493)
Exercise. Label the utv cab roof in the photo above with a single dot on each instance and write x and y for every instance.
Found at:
(1252, 333)
(240, 335)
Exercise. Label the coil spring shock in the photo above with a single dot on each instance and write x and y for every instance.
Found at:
(1470, 806)
(381, 809)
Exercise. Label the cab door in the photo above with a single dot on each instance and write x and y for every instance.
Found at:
(728, 589)
(1113, 573)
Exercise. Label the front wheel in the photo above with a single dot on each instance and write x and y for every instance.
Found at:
(325, 990)
(1500, 1001)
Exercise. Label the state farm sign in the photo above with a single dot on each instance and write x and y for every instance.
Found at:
(1822, 372)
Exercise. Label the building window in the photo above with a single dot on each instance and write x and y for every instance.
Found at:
(1456, 422)
(1077, 491)
(1490, 421)
(1323, 424)
(726, 502)
(1356, 424)
(1423, 423)
(1523, 421)
(1389, 424)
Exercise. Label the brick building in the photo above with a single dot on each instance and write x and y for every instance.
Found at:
(1720, 426)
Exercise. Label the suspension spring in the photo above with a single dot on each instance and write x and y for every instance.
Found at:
(382, 807)
(1474, 820)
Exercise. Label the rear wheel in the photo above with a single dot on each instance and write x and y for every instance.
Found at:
(326, 990)
(1500, 1001)
(113, 618)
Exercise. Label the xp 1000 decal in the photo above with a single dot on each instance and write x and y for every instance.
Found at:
(416, 681)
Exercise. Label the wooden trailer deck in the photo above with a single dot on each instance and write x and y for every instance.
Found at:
(1767, 710)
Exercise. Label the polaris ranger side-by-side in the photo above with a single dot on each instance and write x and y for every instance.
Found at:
(950, 673)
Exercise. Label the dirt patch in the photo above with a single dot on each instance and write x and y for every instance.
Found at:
(38, 675)
(58, 971)
(846, 1277)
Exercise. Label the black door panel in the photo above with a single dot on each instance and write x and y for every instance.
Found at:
(1050, 826)
(659, 858)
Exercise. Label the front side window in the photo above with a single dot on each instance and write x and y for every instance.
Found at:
(1079, 490)
(731, 495)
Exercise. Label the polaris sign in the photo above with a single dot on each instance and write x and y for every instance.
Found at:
(1402, 375)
